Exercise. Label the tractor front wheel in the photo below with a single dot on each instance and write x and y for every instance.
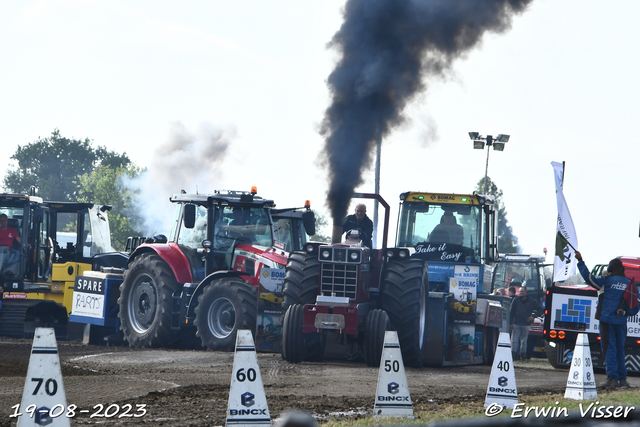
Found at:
(404, 297)
(225, 306)
(145, 302)
(376, 325)
(296, 345)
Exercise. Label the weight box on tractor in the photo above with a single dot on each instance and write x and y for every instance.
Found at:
(432, 288)
(220, 270)
(63, 239)
(570, 310)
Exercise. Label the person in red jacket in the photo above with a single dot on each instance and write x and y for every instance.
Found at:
(8, 236)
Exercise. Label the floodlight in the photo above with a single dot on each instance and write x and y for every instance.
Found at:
(503, 138)
(473, 135)
(498, 146)
(478, 144)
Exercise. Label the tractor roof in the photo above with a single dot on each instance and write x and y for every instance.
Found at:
(223, 197)
(20, 198)
(521, 258)
(440, 198)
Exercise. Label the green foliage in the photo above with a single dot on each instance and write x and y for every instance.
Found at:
(507, 241)
(54, 164)
(321, 225)
(104, 186)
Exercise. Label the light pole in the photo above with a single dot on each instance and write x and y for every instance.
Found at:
(478, 143)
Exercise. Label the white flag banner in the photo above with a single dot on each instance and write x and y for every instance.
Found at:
(566, 239)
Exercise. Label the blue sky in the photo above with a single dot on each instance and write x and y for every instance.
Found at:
(140, 76)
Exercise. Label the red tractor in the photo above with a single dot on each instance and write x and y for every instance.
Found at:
(207, 278)
(342, 298)
(432, 288)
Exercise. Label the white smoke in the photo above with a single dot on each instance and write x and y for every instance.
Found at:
(186, 161)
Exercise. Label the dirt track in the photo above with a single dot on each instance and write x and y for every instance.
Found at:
(191, 387)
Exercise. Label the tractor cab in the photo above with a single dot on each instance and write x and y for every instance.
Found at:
(82, 237)
(292, 226)
(212, 229)
(448, 229)
(520, 270)
(26, 250)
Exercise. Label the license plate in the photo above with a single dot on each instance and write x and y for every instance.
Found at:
(539, 349)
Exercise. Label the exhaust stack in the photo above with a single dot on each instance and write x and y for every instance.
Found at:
(336, 235)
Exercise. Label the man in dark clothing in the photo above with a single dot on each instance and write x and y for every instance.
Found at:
(613, 317)
(359, 221)
(523, 311)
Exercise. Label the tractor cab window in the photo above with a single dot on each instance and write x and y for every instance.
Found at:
(289, 234)
(190, 240)
(100, 232)
(192, 237)
(95, 235)
(249, 225)
(441, 232)
(66, 238)
(520, 274)
(10, 241)
(235, 225)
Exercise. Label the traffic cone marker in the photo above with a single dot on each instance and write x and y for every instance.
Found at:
(392, 395)
(502, 389)
(247, 400)
(581, 383)
(43, 387)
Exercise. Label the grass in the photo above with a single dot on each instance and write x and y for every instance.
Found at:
(428, 412)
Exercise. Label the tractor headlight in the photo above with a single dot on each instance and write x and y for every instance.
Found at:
(355, 256)
(309, 248)
(326, 254)
(389, 254)
(403, 254)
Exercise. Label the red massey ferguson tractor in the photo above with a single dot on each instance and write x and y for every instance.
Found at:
(207, 278)
(342, 297)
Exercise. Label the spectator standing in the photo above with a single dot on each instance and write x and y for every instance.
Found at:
(613, 317)
(523, 311)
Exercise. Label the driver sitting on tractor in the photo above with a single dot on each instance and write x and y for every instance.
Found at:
(359, 221)
(448, 231)
(8, 236)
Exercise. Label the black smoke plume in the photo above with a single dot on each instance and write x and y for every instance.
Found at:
(388, 49)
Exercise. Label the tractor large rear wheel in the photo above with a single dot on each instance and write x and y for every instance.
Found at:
(404, 297)
(374, 330)
(225, 306)
(301, 279)
(145, 302)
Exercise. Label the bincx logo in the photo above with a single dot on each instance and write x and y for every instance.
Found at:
(393, 388)
(503, 381)
(247, 399)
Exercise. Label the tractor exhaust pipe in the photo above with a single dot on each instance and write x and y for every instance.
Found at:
(336, 235)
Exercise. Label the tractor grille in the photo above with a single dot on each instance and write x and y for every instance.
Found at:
(339, 280)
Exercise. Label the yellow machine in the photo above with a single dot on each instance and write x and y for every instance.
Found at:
(64, 240)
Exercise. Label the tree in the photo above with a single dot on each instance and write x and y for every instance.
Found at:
(507, 242)
(53, 166)
(104, 186)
